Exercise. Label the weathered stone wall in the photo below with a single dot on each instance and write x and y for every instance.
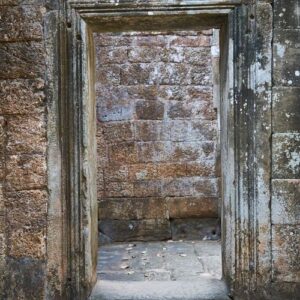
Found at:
(286, 145)
(157, 134)
(23, 173)
(23, 118)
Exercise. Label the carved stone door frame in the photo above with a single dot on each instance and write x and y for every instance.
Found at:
(245, 69)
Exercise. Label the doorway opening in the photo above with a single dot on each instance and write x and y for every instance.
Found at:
(158, 165)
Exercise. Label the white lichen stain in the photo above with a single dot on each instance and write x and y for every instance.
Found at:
(297, 73)
(294, 161)
(116, 2)
(141, 175)
(280, 50)
(290, 82)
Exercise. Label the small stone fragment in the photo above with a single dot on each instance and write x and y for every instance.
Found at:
(124, 267)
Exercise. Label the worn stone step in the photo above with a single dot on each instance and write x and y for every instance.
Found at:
(204, 289)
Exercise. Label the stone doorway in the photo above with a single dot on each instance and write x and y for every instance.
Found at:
(245, 209)
(158, 170)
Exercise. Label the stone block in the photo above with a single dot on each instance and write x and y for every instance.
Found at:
(112, 40)
(123, 153)
(285, 201)
(180, 110)
(202, 130)
(26, 210)
(141, 92)
(191, 41)
(112, 94)
(21, 96)
(134, 74)
(285, 253)
(146, 54)
(170, 74)
(179, 130)
(286, 161)
(185, 93)
(28, 276)
(176, 55)
(286, 57)
(21, 243)
(22, 60)
(111, 55)
(205, 168)
(196, 109)
(286, 109)
(206, 186)
(153, 151)
(120, 131)
(108, 74)
(136, 230)
(172, 92)
(132, 209)
(171, 170)
(26, 134)
(116, 111)
(195, 229)
(177, 187)
(21, 23)
(192, 151)
(198, 56)
(151, 131)
(142, 172)
(201, 75)
(150, 40)
(147, 188)
(286, 14)
(119, 189)
(115, 173)
(192, 207)
(149, 110)
(200, 93)
(26, 172)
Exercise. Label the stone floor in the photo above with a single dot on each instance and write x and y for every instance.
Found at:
(160, 270)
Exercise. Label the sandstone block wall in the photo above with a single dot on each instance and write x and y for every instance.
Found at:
(23, 146)
(157, 134)
(286, 145)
